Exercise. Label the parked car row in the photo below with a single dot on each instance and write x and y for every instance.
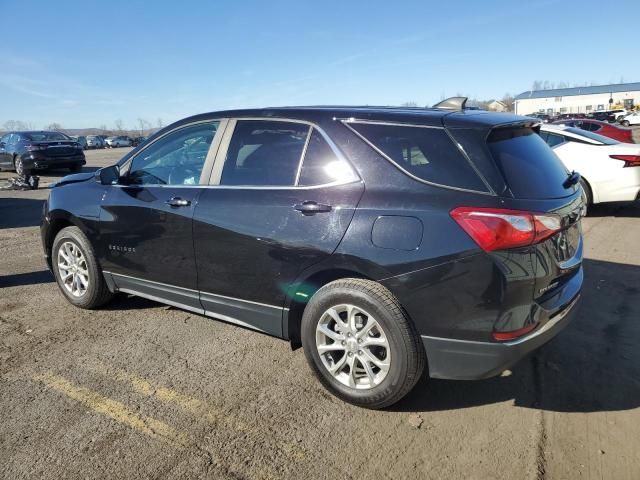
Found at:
(611, 116)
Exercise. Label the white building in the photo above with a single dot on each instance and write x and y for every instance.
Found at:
(578, 99)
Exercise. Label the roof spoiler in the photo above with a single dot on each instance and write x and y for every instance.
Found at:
(452, 103)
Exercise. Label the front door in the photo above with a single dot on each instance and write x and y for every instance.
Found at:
(146, 236)
(269, 216)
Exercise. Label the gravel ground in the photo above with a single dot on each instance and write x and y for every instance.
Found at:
(139, 389)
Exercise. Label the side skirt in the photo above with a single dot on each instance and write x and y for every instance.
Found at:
(256, 316)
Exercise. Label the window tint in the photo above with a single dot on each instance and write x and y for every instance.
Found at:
(528, 165)
(264, 152)
(175, 159)
(321, 165)
(427, 153)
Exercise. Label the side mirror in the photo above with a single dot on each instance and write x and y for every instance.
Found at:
(109, 175)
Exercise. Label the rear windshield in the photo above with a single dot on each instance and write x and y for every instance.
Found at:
(426, 153)
(46, 136)
(528, 165)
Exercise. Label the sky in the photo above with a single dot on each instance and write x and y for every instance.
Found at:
(87, 64)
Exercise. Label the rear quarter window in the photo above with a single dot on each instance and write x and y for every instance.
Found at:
(424, 152)
(528, 165)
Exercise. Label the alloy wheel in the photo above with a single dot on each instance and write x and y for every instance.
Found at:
(73, 269)
(353, 347)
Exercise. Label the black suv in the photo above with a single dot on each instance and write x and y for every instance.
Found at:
(384, 241)
(29, 151)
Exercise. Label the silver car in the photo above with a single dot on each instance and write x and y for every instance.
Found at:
(120, 141)
(94, 141)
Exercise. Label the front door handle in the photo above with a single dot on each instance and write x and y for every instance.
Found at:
(178, 202)
(311, 208)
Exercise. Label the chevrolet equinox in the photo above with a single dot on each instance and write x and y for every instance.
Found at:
(384, 241)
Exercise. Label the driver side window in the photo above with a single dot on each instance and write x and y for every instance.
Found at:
(176, 159)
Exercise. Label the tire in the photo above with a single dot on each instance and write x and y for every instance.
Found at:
(626, 123)
(586, 195)
(18, 166)
(96, 292)
(404, 354)
(75, 168)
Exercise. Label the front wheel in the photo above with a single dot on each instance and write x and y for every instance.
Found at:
(360, 344)
(76, 269)
(75, 168)
(18, 166)
(626, 123)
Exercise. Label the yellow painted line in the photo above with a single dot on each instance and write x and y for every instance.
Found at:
(115, 410)
(194, 406)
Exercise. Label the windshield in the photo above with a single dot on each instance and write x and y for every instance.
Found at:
(47, 136)
(593, 136)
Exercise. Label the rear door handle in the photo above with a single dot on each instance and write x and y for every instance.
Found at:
(178, 202)
(311, 208)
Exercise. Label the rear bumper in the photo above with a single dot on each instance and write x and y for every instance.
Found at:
(472, 360)
(41, 162)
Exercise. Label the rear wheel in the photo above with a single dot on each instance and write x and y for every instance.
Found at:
(586, 195)
(76, 269)
(360, 344)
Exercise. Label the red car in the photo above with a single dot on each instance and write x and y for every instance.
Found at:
(601, 128)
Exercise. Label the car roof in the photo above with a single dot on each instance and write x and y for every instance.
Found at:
(416, 115)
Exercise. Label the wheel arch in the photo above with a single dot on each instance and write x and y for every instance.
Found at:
(57, 223)
(591, 193)
(301, 292)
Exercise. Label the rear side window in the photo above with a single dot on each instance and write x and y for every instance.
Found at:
(528, 165)
(321, 165)
(426, 153)
(264, 152)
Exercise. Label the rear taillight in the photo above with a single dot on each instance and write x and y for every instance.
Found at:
(629, 160)
(33, 148)
(501, 229)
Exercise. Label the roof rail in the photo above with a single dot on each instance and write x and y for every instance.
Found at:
(452, 103)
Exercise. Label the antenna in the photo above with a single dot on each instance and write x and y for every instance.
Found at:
(452, 103)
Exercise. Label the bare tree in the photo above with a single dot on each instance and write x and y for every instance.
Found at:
(143, 126)
(159, 123)
(508, 100)
(118, 125)
(16, 125)
(56, 127)
(409, 104)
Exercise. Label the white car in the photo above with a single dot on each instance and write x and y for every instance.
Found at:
(610, 170)
(120, 141)
(631, 119)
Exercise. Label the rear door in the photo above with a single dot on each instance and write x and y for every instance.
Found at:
(267, 216)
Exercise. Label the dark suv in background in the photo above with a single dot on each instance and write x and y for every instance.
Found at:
(385, 241)
(30, 151)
